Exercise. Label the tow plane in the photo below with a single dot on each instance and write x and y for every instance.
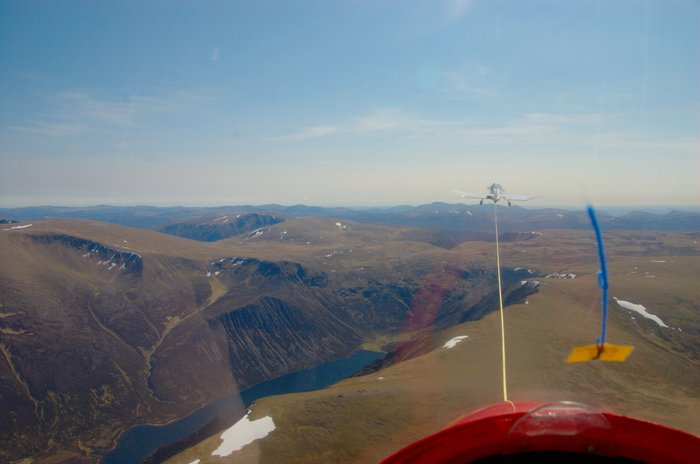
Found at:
(496, 194)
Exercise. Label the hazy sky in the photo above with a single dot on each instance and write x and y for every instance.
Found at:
(348, 103)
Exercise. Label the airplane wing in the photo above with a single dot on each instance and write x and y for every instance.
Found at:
(479, 196)
(519, 197)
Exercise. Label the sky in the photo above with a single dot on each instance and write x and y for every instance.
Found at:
(353, 103)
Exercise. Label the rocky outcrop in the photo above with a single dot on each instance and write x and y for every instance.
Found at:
(125, 261)
(257, 272)
(514, 236)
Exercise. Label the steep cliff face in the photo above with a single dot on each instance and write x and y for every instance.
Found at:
(378, 301)
(109, 257)
(271, 336)
(253, 272)
(476, 294)
(221, 227)
(273, 318)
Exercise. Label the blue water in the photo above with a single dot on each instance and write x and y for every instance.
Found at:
(137, 443)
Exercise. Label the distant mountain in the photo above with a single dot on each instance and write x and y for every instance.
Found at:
(435, 216)
(145, 217)
(155, 217)
(213, 229)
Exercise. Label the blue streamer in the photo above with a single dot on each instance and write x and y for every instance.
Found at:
(602, 277)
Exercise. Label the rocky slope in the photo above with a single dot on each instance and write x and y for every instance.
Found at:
(103, 327)
(221, 227)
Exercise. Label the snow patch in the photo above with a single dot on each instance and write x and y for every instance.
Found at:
(469, 213)
(561, 275)
(19, 227)
(560, 215)
(453, 342)
(196, 461)
(658, 260)
(335, 253)
(641, 310)
(243, 433)
(257, 233)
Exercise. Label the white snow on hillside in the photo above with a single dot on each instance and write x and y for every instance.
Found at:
(256, 233)
(19, 227)
(243, 433)
(641, 310)
(453, 342)
(561, 275)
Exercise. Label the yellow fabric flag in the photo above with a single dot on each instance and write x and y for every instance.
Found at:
(608, 352)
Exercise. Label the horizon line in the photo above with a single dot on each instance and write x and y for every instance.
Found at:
(566, 206)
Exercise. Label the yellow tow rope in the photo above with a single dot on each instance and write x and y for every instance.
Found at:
(500, 302)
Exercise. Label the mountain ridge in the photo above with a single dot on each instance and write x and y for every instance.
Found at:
(151, 217)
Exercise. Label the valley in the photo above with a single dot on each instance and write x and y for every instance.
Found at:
(103, 327)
